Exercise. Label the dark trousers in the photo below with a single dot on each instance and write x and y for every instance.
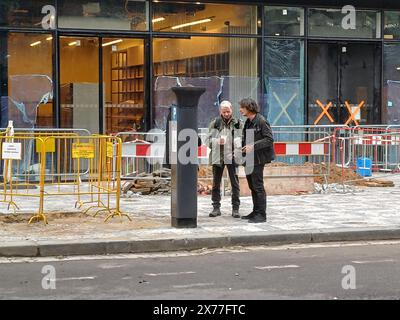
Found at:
(255, 179)
(216, 190)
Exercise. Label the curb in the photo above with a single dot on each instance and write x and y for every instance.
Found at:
(126, 246)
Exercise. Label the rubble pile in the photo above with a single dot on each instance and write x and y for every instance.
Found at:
(156, 183)
(347, 175)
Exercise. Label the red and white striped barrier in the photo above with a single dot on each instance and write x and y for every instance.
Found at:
(377, 140)
(301, 149)
(149, 150)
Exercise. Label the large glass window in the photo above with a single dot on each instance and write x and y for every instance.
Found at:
(26, 13)
(344, 77)
(103, 14)
(205, 17)
(226, 67)
(284, 81)
(391, 87)
(334, 23)
(26, 89)
(284, 21)
(79, 81)
(123, 78)
(392, 25)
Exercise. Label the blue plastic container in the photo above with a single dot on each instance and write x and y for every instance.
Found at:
(364, 167)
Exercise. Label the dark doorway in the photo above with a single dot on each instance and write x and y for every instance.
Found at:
(340, 72)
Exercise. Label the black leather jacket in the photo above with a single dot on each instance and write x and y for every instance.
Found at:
(263, 139)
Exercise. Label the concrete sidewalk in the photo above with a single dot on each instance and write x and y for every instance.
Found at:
(366, 214)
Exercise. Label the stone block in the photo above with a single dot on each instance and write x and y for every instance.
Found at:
(281, 180)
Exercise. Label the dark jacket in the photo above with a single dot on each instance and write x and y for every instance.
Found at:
(263, 139)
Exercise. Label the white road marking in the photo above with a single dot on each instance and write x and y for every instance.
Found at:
(73, 279)
(194, 285)
(373, 261)
(169, 273)
(110, 266)
(290, 266)
(177, 254)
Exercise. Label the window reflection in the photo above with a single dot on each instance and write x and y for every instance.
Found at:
(226, 67)
(329, 23)
(28, 99)
(103, 14)
(204, 18)
(284, 21)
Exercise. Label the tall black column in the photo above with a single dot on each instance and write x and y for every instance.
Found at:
(184, 174)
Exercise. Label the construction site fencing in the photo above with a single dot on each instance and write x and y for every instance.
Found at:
(82, 171)
(302, 148)
(379, 144)
(144, 153)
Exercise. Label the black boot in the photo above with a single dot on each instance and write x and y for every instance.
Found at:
(249, 216)
(235, 213)
(258, 219)
(215, 213)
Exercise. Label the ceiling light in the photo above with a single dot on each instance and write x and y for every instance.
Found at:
(191, 23)
(112, 42)
(158, 19)
(398, 68)
(74, 43)
(35, 43)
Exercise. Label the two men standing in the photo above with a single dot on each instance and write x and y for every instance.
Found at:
(230, 144)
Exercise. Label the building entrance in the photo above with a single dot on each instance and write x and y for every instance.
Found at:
(344, 81)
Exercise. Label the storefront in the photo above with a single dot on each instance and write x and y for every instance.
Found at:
(109, 65)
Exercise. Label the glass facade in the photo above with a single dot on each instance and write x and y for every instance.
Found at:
(284, 21)
(27, 84)
(124, 82)
(103, 14)
(338, 23)
(226, 67)
(391, 84)
(284, 81)
(109, 66)
(27, 13)
(392, 25)
(204, 18)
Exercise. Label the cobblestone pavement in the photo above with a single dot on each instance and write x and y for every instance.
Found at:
(364, 208)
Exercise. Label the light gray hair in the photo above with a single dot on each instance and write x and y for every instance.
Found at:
(225, 103)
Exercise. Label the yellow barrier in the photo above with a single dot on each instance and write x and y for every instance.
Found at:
(85, 167)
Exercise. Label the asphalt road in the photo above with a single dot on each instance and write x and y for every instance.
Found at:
(326, 271)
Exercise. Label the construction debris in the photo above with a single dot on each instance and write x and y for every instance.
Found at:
(157, 183)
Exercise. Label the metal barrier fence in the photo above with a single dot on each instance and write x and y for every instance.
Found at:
(80, 167)
(377, 143)
(302, 148)
(143, 153)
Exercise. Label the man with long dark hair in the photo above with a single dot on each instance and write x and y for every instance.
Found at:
(258, 149)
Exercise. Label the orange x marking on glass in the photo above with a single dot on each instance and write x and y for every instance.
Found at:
(324, 112)
(353, 114)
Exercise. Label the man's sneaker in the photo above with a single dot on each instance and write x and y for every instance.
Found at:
(257, 219)
(249, 216)
(215, 213)
(235, 213)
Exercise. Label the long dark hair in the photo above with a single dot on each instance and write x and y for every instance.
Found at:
(250, 105)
